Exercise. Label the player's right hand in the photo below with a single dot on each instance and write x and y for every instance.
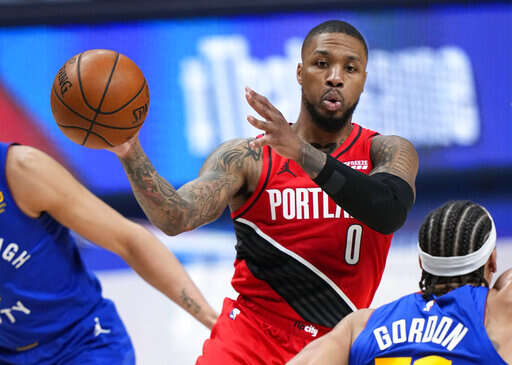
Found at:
(125, 148)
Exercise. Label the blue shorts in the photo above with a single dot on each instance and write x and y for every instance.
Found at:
(98, 338)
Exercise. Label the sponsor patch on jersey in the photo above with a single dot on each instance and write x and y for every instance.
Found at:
(308, 328)
(357, 164)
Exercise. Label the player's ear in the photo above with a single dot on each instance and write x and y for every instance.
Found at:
(299, 73)
(419, 262)
(490, 266)
(493, 265)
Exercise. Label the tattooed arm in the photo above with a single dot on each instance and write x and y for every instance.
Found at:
(196, 203)
(381, 201)
(390, 154)
(396, 156)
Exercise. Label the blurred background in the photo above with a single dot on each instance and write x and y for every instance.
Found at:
(439, 74)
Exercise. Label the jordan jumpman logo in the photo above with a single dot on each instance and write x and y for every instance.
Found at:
(97, 328)
(286, 168)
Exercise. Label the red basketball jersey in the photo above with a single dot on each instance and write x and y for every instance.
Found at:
(298, 253)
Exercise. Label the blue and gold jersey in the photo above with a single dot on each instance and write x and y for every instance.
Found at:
(44, 286)
(411, 331)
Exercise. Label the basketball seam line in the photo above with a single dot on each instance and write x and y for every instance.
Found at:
(92, 132)
(129, 101)
(80, 83)
(102, 99)
(87, 102)
(87, 119)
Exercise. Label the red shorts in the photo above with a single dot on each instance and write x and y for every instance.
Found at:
(246, 333)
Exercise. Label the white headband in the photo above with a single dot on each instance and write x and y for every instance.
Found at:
(459, 265)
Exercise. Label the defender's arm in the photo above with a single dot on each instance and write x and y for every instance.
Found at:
(40, 184)
(334, 347)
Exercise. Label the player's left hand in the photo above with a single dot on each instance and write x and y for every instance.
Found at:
(278, 132)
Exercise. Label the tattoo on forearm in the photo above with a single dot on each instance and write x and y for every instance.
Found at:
(143, 176)
(312, 160)
(197, 202)
(152, 192)
(189, 303)
(206, 198)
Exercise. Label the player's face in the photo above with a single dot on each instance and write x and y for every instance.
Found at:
(332, 76)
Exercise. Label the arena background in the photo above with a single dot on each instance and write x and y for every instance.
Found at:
(439, 74)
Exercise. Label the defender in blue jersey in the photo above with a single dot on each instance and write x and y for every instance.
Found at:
(455, 319)
(51, 308)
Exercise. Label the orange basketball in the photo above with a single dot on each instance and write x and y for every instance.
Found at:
(99, 98)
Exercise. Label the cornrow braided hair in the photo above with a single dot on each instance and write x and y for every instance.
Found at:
(457, 228)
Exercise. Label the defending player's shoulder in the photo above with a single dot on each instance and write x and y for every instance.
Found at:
(37, 181)
(503, 280)
(498, 315)
(503, 291)
(357, 322)
(351, 326)
(24, 159)
(24, 169)
(29, 162)
(395, 155)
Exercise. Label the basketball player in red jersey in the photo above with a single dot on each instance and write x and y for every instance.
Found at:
(314, 206)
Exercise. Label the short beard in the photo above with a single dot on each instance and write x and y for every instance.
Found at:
(327, 123)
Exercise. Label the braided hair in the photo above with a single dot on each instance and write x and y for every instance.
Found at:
(457, 228)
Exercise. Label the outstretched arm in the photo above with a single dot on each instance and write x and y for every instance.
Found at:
(40, 184)
(381, 200)
(196, 203)
(334, 347)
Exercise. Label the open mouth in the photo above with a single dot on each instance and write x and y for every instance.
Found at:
(331, 104)
(332, 101)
